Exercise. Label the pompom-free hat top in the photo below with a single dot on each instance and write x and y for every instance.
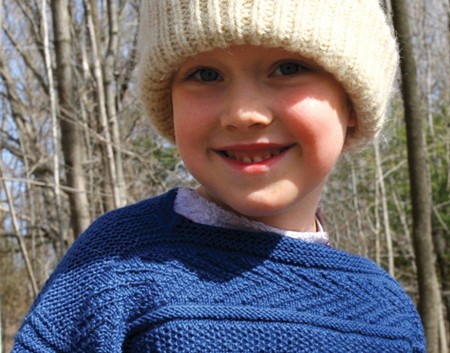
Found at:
(351, 39)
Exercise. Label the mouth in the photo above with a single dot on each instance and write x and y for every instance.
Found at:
(251, 155)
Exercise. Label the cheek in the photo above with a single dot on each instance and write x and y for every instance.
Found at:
(318, 128)
(186, 118)
(183, 116)
(192, 128)
(192, 114)
(315, 120)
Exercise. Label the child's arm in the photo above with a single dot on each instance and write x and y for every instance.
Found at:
(72, 313)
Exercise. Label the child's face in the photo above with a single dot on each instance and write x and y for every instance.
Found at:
(260, 129)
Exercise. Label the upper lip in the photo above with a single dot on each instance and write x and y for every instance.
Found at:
(253, 153)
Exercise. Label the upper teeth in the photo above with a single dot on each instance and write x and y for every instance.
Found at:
(246, 158)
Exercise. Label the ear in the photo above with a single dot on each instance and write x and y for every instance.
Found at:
(352, 119)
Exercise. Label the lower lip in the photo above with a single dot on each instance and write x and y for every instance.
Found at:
(256, 167)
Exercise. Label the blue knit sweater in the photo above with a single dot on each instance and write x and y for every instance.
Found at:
(145, 279)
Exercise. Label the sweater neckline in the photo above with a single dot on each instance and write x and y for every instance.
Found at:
(193, 206)
(265, 245)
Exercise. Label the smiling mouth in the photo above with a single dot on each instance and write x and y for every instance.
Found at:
(256, 156)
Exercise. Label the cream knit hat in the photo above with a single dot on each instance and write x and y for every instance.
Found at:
(351, 39)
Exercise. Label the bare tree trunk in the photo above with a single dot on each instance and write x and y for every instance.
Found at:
(93, 8)
(102, 107)
(85, 74)
(384, 207)
(377, 225)
(55, 134)
(445, 268)
(109, 79)
(429, 302)
(358, 211)
(72, 143)
(1, 326)
(403, 220)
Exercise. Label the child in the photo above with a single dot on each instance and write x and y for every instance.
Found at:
(261, 97)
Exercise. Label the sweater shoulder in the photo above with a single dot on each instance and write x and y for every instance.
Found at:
(110, 241)
(74, 296)
(116, 230)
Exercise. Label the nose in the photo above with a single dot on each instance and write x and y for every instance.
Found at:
(245, 108)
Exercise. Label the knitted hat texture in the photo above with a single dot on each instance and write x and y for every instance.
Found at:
(351, 39)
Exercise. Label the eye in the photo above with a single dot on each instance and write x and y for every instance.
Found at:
(205, 75)
(289, 68)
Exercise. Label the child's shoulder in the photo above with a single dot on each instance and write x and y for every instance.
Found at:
(90, 279)
(119, 228)
(155, 209)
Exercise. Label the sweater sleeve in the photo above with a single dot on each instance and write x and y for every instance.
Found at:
(61, 316)
(80, 308)
(71, 312)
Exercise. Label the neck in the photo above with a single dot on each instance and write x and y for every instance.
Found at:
(295, 219)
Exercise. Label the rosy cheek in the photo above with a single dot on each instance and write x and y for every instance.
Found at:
(306, 120)
(317, 128)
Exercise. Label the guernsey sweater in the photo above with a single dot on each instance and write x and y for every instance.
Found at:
(146, 279)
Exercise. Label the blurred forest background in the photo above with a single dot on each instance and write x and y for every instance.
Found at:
(75, 144)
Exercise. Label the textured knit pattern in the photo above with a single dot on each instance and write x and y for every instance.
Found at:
(145, 279)
(348, 38)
